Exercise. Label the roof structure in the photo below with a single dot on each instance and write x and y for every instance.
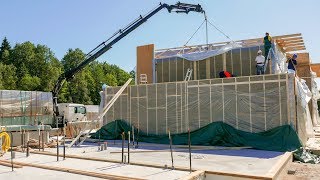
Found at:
(288, 44)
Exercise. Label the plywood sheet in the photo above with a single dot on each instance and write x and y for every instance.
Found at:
(145, 56)
(316, 68)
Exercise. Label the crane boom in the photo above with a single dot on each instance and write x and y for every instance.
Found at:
(106, 45)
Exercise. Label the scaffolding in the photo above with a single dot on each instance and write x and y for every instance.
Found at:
(251, 103)
(25, 107)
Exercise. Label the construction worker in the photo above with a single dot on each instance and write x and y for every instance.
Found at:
(225, 74)
(267, 40)
(260, 63)
(292, 63)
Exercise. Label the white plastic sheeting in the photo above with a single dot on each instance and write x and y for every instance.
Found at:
(304, 125)
(25, 107)
(315, 98)
(201, 55)
(238, 61)
(252, 104)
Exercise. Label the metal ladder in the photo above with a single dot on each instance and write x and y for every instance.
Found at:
(188, 75)
(271, 51)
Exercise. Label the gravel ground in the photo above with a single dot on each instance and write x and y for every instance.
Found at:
(304, 171)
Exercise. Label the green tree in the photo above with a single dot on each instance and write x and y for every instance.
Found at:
(30, 83)
(111, 80)
(23, 57)
(35, 61)
(47, 67)
(72, 59)
(78, 87)
(8, 76)
(5, 50)
(133, 74)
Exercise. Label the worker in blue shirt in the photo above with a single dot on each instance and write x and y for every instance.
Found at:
(292, 63)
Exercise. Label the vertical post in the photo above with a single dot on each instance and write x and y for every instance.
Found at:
(99, 144)
(133, 136)
(39, 138)
(28, 153)
(42, 138)
(24, 139)
(296, 101)
(58, 145)
(122, 152)
(137, 137)
(115, 133)
(11, 150)
(21, 139)
(171, 149)
(64, 139)
(189, 143)
(128, 147)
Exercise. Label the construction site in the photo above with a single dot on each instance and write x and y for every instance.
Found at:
(178, 119)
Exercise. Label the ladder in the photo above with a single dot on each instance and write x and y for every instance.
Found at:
(143, 79)
(105, 110)
(271, 51)
(188, 74)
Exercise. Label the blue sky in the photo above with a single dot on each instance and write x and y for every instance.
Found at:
(84, 24)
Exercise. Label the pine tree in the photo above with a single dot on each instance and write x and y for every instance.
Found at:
(5, 50)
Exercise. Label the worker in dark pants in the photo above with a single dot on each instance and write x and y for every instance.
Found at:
(292, 63)
(267, 40)
(260, 63)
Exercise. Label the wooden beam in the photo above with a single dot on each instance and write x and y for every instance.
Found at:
(288, 36)
(295, 49)
(284, 43)
(280, 166)
(292, 39)
(8, 164)
(292, 47)
(293, 44)
(199, 174)
(75, 171)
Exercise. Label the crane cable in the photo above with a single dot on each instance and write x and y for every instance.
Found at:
(210, 23)
(194, 33)
(219, 30)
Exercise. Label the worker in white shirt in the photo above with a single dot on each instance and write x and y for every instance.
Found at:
(260, 63)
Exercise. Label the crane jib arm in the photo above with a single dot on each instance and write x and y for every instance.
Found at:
(106, 45)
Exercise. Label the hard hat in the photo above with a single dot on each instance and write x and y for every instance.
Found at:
(294, 55)
(259, 51)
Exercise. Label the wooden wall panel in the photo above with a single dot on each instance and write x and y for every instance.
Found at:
(316, 68)
(145, 55)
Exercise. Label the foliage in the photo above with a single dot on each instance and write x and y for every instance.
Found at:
(32, 67)
(5, 51)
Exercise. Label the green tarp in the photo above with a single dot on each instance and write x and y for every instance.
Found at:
(282, 138)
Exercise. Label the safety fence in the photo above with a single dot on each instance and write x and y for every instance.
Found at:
(25, 107)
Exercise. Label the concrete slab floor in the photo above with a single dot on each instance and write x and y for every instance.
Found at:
(243, 161)
(95, 166)
(30, 173)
